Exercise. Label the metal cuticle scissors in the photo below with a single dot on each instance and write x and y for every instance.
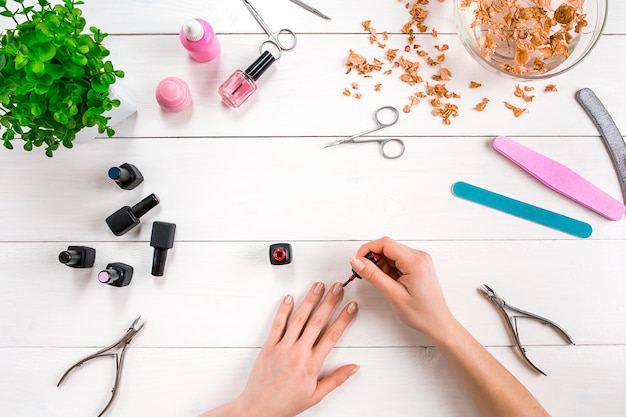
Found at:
(379, 116)
(122, 343)
(273, 38)
(511, 322)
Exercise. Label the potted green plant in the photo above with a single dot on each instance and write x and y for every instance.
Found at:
(55, 78)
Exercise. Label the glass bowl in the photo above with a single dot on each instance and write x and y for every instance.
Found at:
(530, 39)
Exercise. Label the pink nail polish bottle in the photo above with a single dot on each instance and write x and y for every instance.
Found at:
(240, 86)
(198, 38)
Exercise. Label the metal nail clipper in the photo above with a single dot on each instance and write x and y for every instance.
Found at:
(122, 344)
(511, 321)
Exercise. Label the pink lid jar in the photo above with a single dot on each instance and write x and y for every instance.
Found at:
(173, 94)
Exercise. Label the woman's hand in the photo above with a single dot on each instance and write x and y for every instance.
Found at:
(407, 278)
(285, 379)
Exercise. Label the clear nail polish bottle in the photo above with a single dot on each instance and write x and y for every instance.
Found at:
(240, 86)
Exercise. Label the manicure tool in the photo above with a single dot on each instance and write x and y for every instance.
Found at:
(521, 209)
(122, 344)
(374, 257)
(609, 131)
(381, 125)
(310, 9)
(560, 178)
(511, 321)
(273, 38)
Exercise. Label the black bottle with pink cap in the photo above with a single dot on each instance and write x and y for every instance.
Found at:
(117, 274)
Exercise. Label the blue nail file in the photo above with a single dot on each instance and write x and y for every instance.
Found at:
(521, 209)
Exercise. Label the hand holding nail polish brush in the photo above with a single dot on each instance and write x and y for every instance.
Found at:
(374, 257)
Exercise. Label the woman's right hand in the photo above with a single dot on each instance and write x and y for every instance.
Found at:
(407, 278)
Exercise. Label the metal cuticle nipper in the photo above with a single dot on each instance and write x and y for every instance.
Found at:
(511, 321)
(120, 344)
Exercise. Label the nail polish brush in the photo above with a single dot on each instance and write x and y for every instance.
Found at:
(374, 257)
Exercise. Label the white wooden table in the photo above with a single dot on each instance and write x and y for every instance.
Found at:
(235, 182)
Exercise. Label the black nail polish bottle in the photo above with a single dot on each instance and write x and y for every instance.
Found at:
(127, 217)
(280, 253)
(161, 240)
(116, 274)
(127, 176)
(78, 256)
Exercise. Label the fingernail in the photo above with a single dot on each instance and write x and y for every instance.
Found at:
(357, 264)
(354, 370)
(352, 307)
(337, 288)
(318, 288)
(288, 299)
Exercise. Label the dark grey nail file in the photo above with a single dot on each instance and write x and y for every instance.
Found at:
(609, 131)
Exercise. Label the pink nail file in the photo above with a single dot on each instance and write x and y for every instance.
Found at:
(560, 178)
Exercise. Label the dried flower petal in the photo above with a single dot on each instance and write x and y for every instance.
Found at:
(481, 106)
(551, 88)
(516, 110)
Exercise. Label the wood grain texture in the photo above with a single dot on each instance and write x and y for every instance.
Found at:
(236, 181)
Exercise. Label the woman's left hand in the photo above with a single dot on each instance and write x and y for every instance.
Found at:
(285, 379)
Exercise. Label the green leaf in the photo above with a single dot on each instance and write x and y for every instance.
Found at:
(33, 37)
(20, 61)
(37, 67)
(55, 71)
(99, 85)
(74, 71)
(79, 59)
(43, 85)
(67, 142)
(38, 105)
(60, 117)
(11, 49)
(44, 52)
(3, 61)
(28, 146)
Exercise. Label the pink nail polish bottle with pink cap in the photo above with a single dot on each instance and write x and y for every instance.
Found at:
(198, 38)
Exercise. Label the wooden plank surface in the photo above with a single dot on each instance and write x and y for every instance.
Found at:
(236, 181)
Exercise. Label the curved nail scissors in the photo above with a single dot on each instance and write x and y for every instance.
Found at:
(122, 343)
(379, 116)
(502, 305)
(273, 38)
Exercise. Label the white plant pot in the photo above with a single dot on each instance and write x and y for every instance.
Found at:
(117, 114)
